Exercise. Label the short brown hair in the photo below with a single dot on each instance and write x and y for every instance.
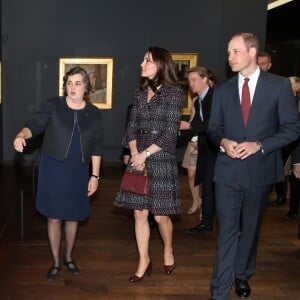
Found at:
(265, 54)
(250, 40)
(201, 71)
(85, 80)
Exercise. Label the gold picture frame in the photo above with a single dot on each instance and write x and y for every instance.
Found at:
(100, 71)
(185, 61)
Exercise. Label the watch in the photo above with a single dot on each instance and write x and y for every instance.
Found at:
(259, 144)
(148, 153)
(222, 150)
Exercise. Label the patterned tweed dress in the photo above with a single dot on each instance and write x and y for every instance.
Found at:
(156, 122)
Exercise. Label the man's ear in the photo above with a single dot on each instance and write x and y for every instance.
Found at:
(270, 65)
(252, 51)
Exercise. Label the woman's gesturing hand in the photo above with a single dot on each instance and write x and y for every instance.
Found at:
(19, 143)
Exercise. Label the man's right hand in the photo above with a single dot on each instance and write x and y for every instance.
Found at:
(229, 147)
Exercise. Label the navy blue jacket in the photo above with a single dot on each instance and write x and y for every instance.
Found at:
(273, 120)
(56, 120)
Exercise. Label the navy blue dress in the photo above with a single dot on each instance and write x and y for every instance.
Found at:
(62, 186)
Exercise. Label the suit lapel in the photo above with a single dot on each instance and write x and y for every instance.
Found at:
(258, 95)
(206, 104)
(237, 110)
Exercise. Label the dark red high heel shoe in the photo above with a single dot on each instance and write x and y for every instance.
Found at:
(169, 269)
(134, 278)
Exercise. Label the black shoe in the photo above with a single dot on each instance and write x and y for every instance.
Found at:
(53, 273)
(71, 266)
(279, 201)
(199, 228)
(290, 216)
(242, 288)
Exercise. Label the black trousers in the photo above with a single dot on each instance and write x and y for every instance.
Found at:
(294, 194)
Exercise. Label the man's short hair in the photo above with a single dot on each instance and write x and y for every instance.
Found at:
(265, 54)
(250, 40)
(201, 71)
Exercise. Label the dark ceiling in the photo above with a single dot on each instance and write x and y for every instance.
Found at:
(283, 23)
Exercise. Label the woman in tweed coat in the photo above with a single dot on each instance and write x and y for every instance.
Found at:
(151, 136)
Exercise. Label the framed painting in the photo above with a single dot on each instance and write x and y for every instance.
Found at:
(183, 62)
(100, 72)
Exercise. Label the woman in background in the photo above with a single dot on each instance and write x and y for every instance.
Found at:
(189, 162)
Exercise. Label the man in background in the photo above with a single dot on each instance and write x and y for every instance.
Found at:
(264, 61)
(199, 79)
(295, 174)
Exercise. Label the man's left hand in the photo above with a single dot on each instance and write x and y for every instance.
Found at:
(245, 149)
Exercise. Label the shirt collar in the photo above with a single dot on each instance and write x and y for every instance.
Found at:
(203, 94)
(253, 77)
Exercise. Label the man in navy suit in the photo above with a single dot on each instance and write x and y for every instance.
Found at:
(294, 184)
(295, 160)
(199, 84)
(249, 162)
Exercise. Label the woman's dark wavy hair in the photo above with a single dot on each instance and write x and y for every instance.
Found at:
(85, 80)
(166, 73)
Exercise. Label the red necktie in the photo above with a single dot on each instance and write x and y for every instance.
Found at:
(246, 104)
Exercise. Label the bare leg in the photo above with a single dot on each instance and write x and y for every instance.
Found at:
(195, 190)
(142, 235)
(166, 231)
(70, 235)
(54, 236)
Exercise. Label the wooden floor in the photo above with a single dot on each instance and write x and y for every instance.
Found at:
(106, 251)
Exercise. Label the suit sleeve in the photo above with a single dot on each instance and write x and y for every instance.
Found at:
(215, 125)
(288, 120)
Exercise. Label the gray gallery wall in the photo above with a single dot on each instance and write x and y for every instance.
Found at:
(36, 33)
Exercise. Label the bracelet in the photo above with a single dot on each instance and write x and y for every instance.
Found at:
(97, 177)
(148, 153)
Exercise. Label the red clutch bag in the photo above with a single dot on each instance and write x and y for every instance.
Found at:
(136, 182)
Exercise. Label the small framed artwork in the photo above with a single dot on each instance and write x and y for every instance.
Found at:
(183, 62)
(100, 72)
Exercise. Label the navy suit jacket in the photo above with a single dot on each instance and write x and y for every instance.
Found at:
(273, 120)
(206, 149)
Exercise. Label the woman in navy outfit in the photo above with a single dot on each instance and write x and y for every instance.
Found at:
(72, 139)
